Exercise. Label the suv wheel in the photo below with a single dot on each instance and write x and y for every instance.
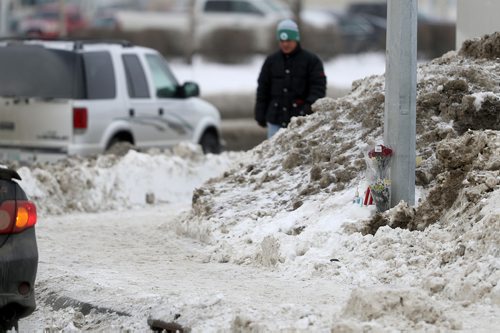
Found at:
(210, 143)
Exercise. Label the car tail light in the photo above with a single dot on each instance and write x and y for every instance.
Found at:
(24, 288)
(16, 216)
(80, 118)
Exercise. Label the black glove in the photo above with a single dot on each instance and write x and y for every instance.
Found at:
(262, 123)
(307, 109)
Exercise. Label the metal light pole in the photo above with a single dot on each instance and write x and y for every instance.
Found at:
(4, 24)
(297, 9)
(400, 97)
(62, 20)
(192, 36)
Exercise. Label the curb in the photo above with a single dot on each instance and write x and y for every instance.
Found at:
(63, 302)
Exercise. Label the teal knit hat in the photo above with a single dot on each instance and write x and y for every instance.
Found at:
(288, 30)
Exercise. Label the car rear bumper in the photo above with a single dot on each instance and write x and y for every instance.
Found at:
(32, 155)
(29, 156)
(18, 266)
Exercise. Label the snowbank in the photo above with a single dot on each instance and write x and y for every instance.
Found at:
(291, 209)
(287, 205)
(121, 182)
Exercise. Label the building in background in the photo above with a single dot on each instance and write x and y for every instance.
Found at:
(443, 9)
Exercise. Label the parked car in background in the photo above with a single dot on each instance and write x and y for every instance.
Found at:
(45, 22)
(436, 35)
(360, 32)
(18, 251)
(258, 18)
(378, 9)
(88, 96)
(104, 16)
(330, 32)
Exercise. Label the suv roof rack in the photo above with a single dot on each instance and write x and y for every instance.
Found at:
(78, 42)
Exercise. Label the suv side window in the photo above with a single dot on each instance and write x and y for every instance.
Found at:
(218, 6)
(136, 79)
(225, 6)
(165, 83)
(99, 75)
(245, 7)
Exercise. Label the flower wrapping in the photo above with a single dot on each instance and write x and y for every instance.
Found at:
(379, 180)
(380, 158)
(381, 194)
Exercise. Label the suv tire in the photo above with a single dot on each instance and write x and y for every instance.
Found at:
(210, 143)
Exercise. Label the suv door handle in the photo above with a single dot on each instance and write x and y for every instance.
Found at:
(131, 112)
(160, 111)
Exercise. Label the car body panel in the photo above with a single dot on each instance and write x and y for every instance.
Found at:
(18, 263)
(16, 131)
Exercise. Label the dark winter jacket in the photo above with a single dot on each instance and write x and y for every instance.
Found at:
(288, 85)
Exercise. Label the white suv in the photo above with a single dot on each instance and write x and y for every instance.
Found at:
(81, 97)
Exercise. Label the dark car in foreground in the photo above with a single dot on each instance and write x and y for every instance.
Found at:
(18, 251)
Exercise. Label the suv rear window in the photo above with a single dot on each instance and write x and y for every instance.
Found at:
(34, 71)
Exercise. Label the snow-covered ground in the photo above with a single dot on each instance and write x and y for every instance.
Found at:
(270, 239)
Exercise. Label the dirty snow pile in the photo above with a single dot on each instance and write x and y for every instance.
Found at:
(287, 206)
(118, 182)
(290, 209)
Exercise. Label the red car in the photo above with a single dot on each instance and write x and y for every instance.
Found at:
(46, 23)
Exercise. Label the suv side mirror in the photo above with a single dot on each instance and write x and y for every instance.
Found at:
(190, 89)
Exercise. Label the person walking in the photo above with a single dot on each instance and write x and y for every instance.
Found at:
(290, 81)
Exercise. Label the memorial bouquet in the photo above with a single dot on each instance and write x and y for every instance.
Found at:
(381, 194)
(380, 184)
(380, 158)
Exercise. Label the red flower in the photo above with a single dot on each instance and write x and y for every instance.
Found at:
(380, 151)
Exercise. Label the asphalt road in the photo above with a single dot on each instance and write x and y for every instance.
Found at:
(241, 134)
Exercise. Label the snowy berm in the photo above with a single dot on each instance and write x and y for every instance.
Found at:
(286, 209)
